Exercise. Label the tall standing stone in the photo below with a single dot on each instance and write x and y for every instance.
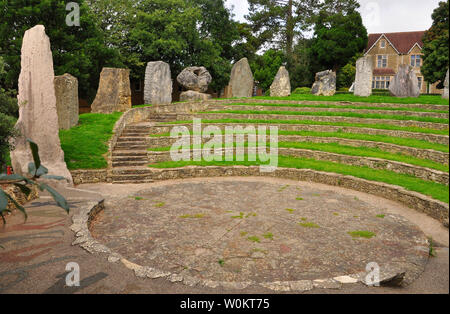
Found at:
(241, 81)
(405, 82)
(158, 84)
(38, 118)
(114, 92)
(281, 86)
(325, 84)
(364, 77)
(67, 105)
(445, 94)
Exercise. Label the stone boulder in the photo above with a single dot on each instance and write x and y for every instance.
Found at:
(364, 77)
(241, 80)
(191, 95)
(114, 92)
(38, 117)
(405, 82)
(445, 94)
(195, 79)
(325, 84)
(281, 86)
(67, 105)
(158, 84)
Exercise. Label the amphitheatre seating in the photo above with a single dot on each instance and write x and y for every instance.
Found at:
(399, 144)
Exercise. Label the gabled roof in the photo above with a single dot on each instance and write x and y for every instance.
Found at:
(403, 42)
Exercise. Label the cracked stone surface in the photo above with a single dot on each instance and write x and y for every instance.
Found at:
(291, 237)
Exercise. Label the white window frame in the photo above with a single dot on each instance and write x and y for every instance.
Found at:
(382, 61)
(382, 43)
(416, 57)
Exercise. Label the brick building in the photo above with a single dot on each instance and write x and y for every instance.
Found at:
(389, 50)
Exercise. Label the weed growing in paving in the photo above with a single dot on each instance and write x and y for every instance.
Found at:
(362, 234)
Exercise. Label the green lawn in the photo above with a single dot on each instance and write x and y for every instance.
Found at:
(85, 145)
(362, 151)
(334, 114)
(401, 141)
(324, 106)
(312, 122)
(434, 190)
(423, 99)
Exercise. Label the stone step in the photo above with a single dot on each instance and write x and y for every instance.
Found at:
(129, 158)
(130, 146)
(129, 163)
(131, 139)
(125, 153)
(139, 171)
(135, 134)
(131, 178)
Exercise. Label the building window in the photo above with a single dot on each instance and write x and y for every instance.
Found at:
(382, 61)
(420, 79)
(416, 60)
(381, 82)
(383, 44)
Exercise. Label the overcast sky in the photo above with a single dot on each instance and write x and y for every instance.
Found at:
(381, 16)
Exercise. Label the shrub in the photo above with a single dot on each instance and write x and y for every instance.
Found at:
(302, 91)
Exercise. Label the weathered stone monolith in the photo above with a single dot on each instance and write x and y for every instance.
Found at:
(158, 84)
(445, 94)
(241, 81)
(191, 95)
(364, 77)
(281, 86)
(38, 117)
(325, 84)
(114, 92)
(67, 105)
(196, 79)
(405, 82)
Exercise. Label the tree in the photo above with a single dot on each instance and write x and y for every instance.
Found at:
(182, 33)
(346, 75)
(435, 46)
(277, 23)
(301, 74)
(8, 118)
(265, 67)
(80, 51)
(337, 38)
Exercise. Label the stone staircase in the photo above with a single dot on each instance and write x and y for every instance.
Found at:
(129, 157)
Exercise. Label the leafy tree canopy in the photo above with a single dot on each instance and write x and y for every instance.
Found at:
(80, 51)
(337, 38)
(435, 46)
(265, 67)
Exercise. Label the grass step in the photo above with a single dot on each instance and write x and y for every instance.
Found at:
(321, 109)
(407, 122)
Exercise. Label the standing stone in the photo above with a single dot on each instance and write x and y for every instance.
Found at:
(38, 118)
(405, 82)
(67, 106)
(445, 94)
(114, 92)
(281, 86)
(325, 83)
(158, 84)
(191, 95)
(196, 79)
(364, 77)
(241, 81)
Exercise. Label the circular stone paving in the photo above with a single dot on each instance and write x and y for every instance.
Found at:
(231, 230)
